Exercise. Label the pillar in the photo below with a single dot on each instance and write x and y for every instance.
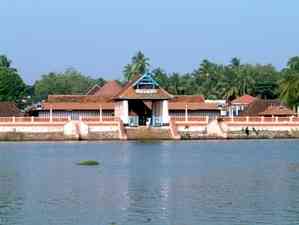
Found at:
(51, 114)
(124, 111)
(101, 114)
(165, 112)
(186, 113)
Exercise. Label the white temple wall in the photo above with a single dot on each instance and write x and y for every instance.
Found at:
(124, 111)
(165, 112)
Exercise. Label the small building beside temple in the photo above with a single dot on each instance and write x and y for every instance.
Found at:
(138, 102)
(267, 108)
(9, 109)
(277, 111)
(239, 105)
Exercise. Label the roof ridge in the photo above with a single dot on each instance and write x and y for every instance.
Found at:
(92, 88)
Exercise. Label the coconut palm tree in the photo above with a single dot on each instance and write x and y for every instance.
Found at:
(289, 89)
(139, 65)
(289, 84)
(4, 61)
(293, 63)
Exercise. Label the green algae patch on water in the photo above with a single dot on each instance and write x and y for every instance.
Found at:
(88, 163)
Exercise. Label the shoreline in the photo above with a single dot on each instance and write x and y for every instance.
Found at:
(24, 137)
(32, 129)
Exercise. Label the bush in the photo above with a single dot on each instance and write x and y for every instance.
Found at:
(88, 163)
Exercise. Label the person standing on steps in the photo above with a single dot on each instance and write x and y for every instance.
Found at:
(247, 131)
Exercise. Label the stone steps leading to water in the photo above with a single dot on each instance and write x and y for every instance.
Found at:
(148, 133)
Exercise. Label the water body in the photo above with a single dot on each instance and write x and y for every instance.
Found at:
(162, 183)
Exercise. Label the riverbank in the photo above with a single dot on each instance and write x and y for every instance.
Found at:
(43, 129)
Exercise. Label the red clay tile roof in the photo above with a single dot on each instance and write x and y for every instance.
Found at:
(188, 98)
(245, 100)
(193, 106)
(128, 92)
(110, 89)
(277, 111)
(9, 109)
(258, 106)
(127, 85)
(77, 98)
(78, 106)
(93, 90)
(77, 102)
(131, 93)
(193, 102)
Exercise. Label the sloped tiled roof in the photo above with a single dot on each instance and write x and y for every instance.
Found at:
(193, 106)
(77, 102)
(127, 85)
(78, 106)
(245, 99)
(188, 98)
(93, 90)
(77, 98)
(9, 109)
(277, 111)
(259, 106)
(129, 92)
(110, 89)
(193, 102)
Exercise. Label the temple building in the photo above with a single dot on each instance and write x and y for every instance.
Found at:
(239, 105)
(8, 109)
(139, 102)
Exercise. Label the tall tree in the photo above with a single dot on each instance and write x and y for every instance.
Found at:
(4, 61)
(207, 78)
(12, 87)
(161, 77)
(138, 66)
(289, 84)
(293, 64)
(266, 81)
(69, 82)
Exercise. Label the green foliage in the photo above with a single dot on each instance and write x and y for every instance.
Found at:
(138, 66)
(216, 81)
(70, 82)
(12, 87)
(289, 84)
(4, 61)
(88, 163)
(212, 80)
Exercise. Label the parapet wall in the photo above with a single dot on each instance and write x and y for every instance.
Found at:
(239, 127)
(37, 129)
(261, 127)
(56, 129)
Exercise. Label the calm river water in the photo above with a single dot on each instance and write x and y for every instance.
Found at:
(162, 183)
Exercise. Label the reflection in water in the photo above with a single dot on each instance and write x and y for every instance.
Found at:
(171, 183)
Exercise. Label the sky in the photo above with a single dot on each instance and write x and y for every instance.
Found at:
(99, 37)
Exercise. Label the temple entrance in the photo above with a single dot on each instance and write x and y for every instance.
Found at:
(140, 112)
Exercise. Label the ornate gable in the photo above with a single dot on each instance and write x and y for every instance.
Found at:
(144, 87)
